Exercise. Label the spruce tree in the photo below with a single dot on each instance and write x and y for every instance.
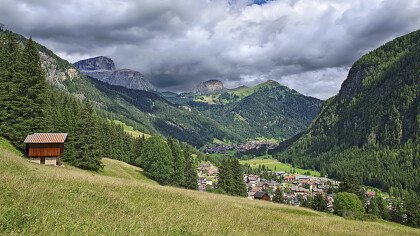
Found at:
(239, 188)
(412, 208)
(34, 87)
(87, 146)
(350, 184)
(137, 151)
(397, 211)
(178, 162)
(319, 202)
(156, 160)
(190, 169)
(36, 84)
(225, 178)
(12, 98)
(278, 196)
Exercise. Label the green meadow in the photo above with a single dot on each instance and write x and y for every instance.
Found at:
(121, 200)
(275, 165)
(130, 130)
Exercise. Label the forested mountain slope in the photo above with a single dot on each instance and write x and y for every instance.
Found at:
(182, 123)
(268, 110)
(120, 200)
(372, 127)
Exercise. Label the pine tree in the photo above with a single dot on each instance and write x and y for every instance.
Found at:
(350, 184)
(190, 169)
(226, 177)
(138, 149)
(239, 188)
(11, 98)
(412, 208)
(86, 143)
(306, 202)
(156, 160)
(35, 83)
(319, 202)
(178, 162)
(397, 210)
(22, 90)
(278, 196)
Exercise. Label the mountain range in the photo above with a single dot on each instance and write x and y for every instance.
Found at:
(182, 116)
(268, 110)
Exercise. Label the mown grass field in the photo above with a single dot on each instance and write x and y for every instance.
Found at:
(120, 200)
(275, 165)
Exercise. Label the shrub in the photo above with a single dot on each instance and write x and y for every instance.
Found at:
(348, 205)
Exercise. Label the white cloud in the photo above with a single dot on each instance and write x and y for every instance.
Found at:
(307, 45)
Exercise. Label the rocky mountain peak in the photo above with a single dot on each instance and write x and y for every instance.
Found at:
(103, 69)
(208, 86)
(96, 63)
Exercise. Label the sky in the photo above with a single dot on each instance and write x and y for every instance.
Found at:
(307, 45)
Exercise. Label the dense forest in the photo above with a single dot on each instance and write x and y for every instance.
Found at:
(29, 104)
(371, 129)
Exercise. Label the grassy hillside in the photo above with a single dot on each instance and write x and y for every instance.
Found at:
(44, 200)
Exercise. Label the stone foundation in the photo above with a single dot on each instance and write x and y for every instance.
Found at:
(45, 160)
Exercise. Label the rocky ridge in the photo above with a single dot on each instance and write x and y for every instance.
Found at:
(208, 86)
(104, 69)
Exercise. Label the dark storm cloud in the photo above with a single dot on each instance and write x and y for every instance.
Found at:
(307, 45)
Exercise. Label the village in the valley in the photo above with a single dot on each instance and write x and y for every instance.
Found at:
(295, 187)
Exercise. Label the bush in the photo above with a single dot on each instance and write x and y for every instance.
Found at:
(348, 205)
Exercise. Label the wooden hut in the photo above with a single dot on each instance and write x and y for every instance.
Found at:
(262, 196)
(45, 148)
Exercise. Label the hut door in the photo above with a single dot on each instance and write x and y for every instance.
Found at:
(42, 161)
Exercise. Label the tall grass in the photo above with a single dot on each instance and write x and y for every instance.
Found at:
(46, 200)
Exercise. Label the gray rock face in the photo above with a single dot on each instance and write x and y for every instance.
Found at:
(208, 86)
(103, 69)
(96, 63)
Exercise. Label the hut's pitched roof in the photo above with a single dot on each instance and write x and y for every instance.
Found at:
(46, 138)
(260, 194)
